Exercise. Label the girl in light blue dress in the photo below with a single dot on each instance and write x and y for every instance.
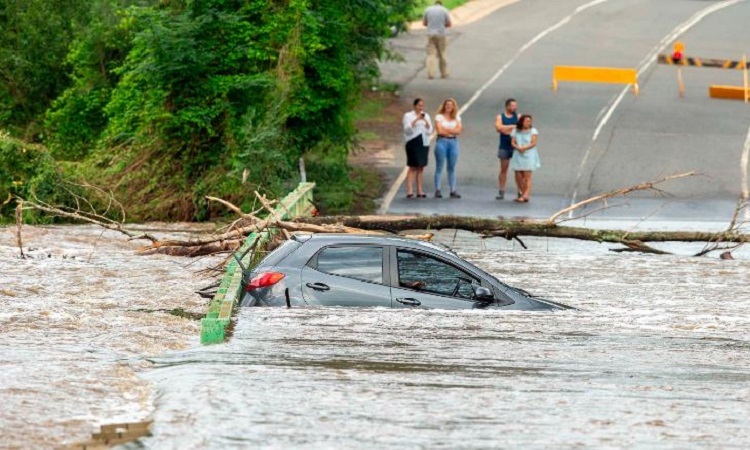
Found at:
(525, 158)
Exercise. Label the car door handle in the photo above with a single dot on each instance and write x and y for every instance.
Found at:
(318, 286)
(409, 301)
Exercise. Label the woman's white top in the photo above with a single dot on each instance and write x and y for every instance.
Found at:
(446, 123)
(419, 128)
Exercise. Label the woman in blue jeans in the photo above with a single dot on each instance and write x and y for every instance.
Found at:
(448, 127)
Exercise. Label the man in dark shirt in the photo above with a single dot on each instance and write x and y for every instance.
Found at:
(505, 123)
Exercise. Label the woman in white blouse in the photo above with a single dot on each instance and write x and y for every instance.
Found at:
(448, 127)
(417, 128)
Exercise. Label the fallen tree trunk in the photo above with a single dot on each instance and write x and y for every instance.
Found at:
(232, 236)
(193, 250)
(238, 234)
(511, 229)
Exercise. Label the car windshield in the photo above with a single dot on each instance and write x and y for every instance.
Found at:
(484, 272)
(428, 274)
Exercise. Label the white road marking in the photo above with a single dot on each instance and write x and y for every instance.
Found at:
(388, 199)
(743, 168)
(523, 49)
(645, 64)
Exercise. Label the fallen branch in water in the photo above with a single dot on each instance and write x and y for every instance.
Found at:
(248, 223)
(735, 226)
(512, 229)
(646, 186)
(82, 215)
(193, 250)
(19, 226)
(232, 240)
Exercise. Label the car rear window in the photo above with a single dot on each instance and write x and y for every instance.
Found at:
(359, 262)
(275, 257)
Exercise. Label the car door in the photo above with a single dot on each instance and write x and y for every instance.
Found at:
(347, 275)
(422, 280)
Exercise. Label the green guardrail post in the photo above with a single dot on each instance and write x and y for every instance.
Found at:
(297, 203)
(212, 330)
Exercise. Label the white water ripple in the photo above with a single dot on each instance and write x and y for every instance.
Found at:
(657, 356)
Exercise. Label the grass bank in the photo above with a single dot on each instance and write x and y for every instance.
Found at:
(422, 4)
(378, 124)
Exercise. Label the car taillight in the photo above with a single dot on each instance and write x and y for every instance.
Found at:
(265, 279)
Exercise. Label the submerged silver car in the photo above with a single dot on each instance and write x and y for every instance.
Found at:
(393, 272)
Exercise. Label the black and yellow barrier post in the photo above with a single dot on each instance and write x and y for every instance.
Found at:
(678, 59)
(677, 54)
(692, 61)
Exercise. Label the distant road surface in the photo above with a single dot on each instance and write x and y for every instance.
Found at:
(595, 137)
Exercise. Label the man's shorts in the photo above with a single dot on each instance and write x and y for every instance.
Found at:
(504, 153)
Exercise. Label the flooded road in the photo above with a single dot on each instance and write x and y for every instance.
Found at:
(78, 317)
(656, 356)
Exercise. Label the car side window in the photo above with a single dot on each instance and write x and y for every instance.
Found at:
(359, 262)
(427, 274)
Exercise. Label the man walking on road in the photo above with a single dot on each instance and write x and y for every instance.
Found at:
(505, 123)
(436, 19)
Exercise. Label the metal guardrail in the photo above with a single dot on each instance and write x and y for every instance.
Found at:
(297, 203)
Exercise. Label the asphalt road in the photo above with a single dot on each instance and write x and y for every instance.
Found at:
(593, 137)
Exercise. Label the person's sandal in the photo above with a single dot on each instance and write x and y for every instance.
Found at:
(422, 195)
(409, 195)
(500, 195)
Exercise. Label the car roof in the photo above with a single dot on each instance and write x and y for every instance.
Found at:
(345, 238)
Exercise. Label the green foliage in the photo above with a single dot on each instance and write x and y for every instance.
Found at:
(341, 189)
(33, 46)
(168, 101)
(187, 73)
(76, 119)
(26, 170)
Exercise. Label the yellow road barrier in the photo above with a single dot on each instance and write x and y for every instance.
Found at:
(595, 75)
(701, 62)
(729, 92)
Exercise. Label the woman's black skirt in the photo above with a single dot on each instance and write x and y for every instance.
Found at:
(416, 152)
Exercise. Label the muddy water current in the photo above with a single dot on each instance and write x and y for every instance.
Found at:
(78, 316)
(657, 355)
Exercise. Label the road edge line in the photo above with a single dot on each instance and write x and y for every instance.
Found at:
(388, 199)
(645, 64)
(744, 162)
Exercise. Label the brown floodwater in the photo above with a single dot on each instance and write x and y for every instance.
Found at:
(75, 326)
(657, 355)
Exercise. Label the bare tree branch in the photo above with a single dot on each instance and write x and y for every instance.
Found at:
(19, 226)
(734, 228)
(594, 211)
(236, 209)
(649, 185)
(83, 216)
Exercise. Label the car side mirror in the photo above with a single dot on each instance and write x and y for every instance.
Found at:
(483, 294)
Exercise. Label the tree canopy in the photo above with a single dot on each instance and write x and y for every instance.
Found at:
(166, 101)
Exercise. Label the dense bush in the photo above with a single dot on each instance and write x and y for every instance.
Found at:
(165, 102)
(26, 171)
(34, 42)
